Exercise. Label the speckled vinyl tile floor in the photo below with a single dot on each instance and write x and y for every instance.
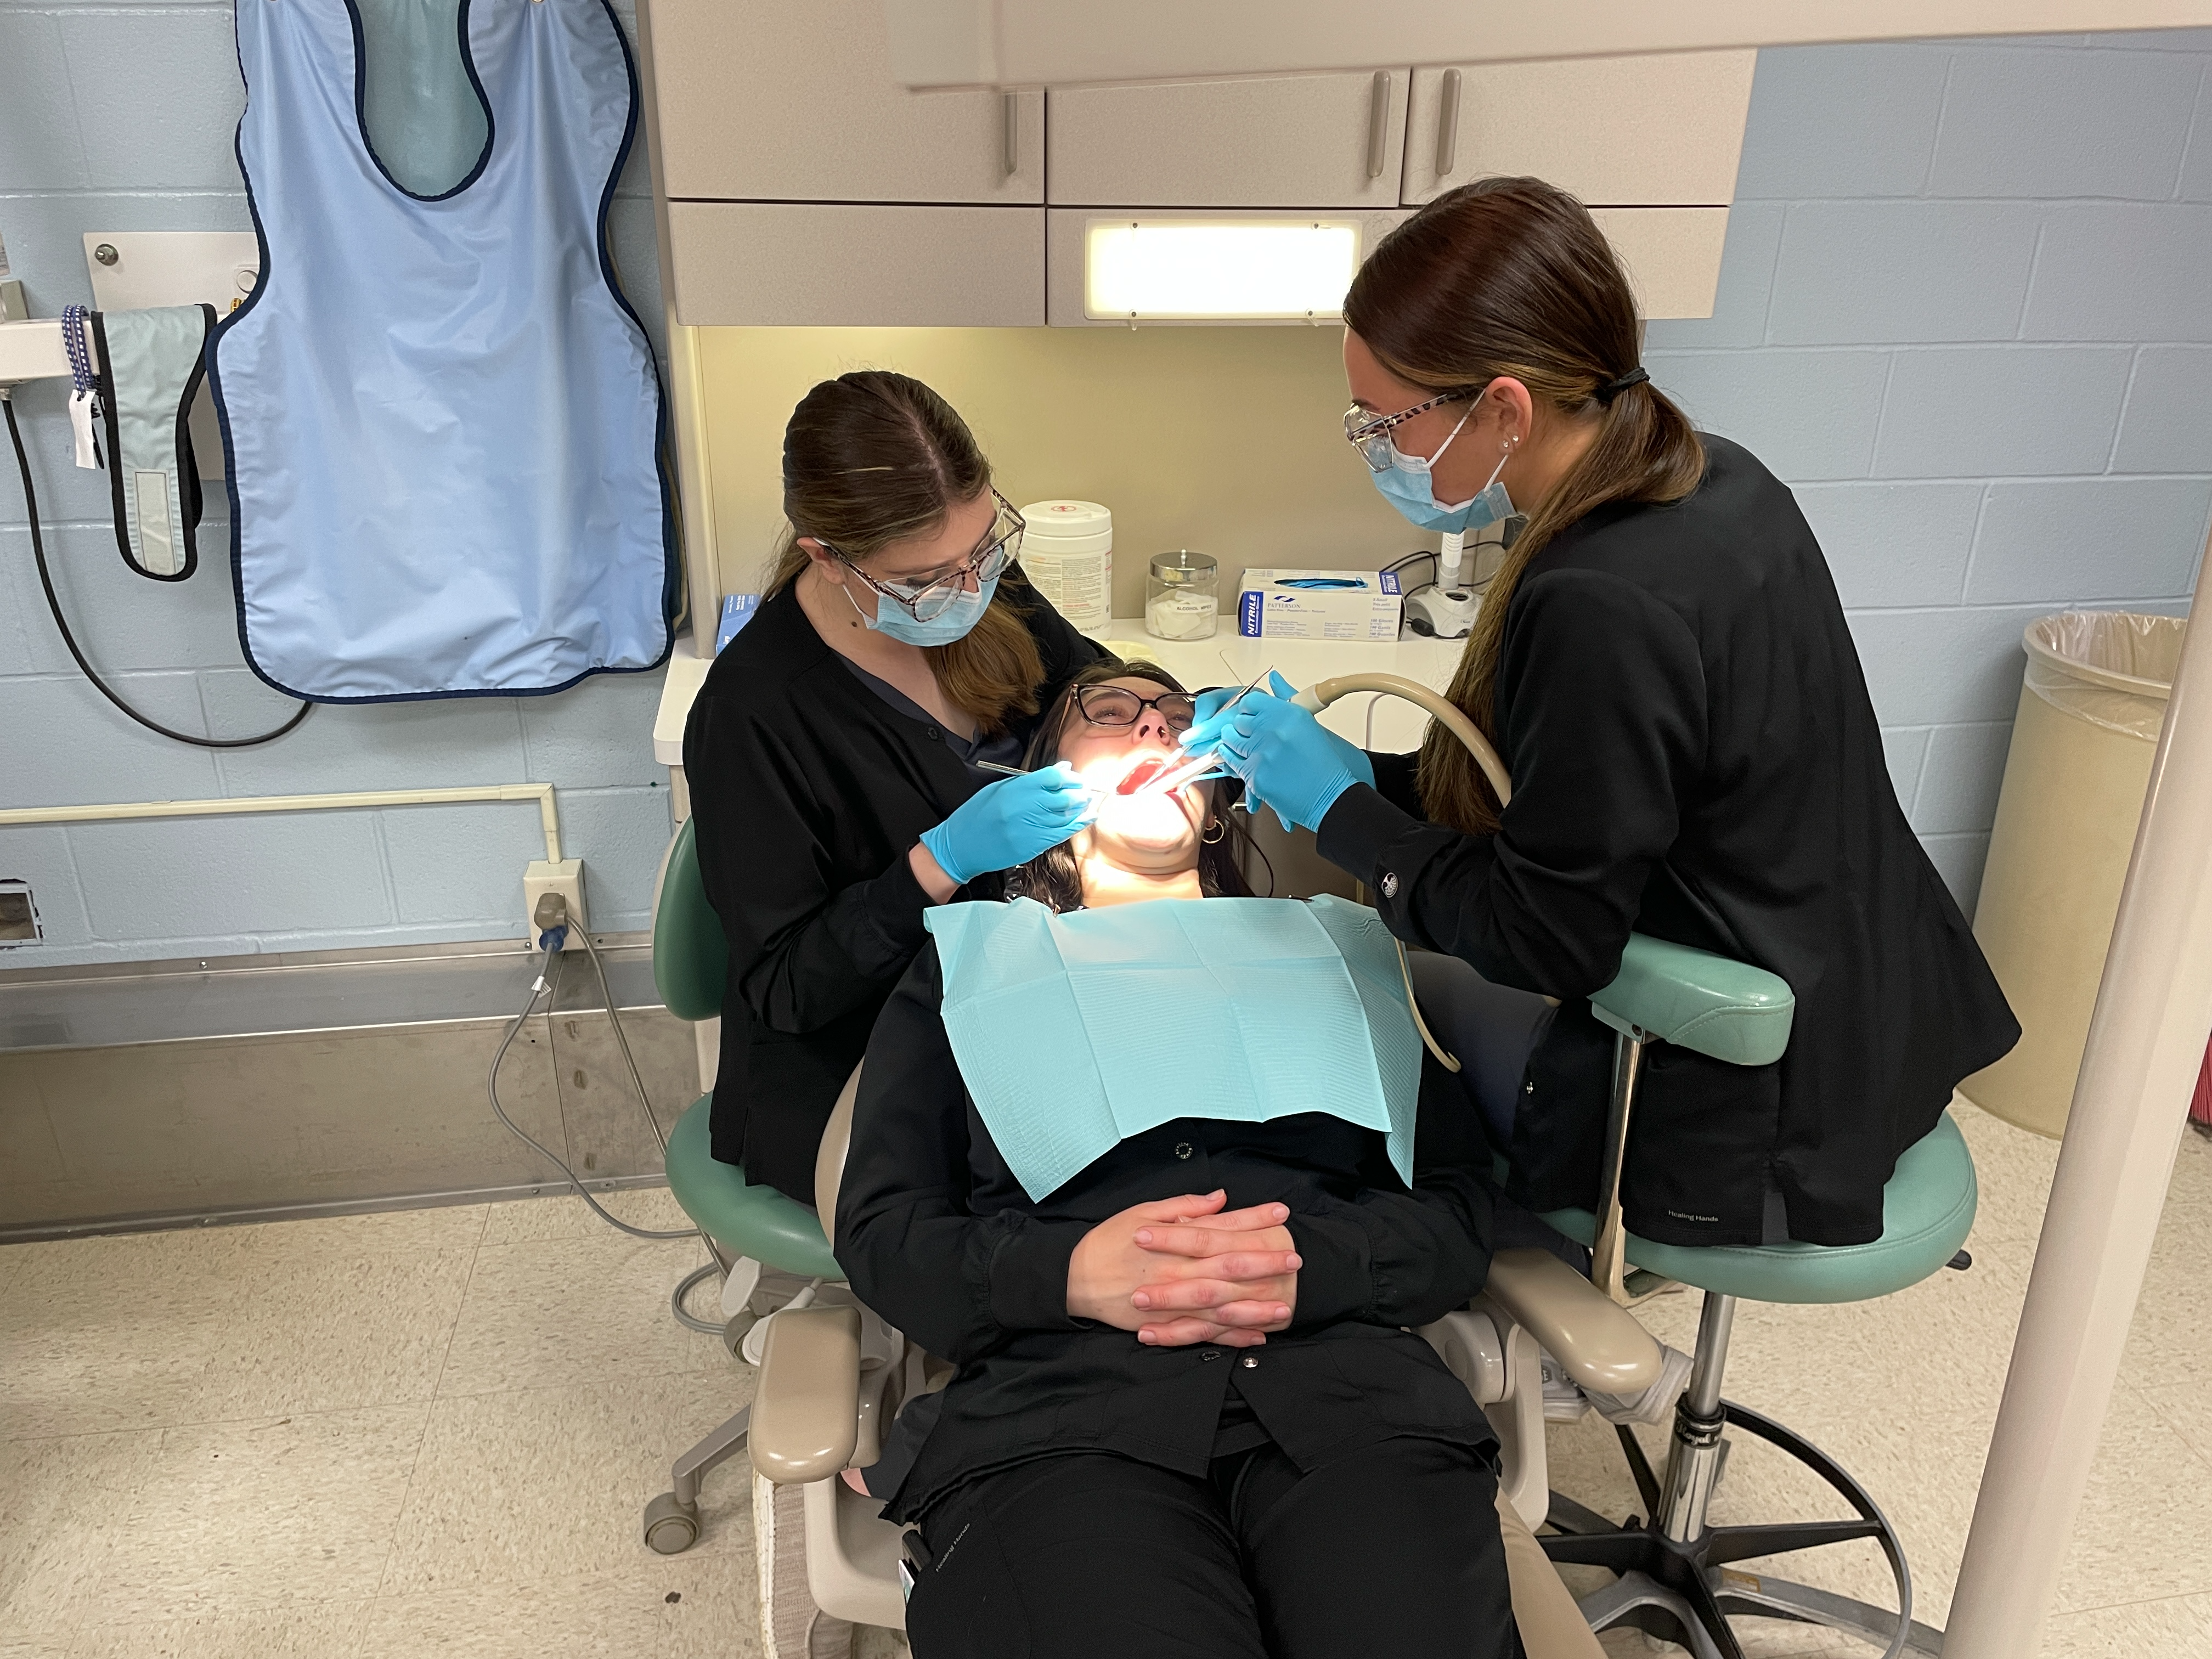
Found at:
(432, 1433)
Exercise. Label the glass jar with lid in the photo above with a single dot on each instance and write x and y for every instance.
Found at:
(1182, 595)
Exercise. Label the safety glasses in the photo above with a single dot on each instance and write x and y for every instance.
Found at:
(1111, 705)
(1370, 433)
(927, 599)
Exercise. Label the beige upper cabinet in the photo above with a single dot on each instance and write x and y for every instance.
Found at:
(785, 103)
(1661, 130)
(1288, 140)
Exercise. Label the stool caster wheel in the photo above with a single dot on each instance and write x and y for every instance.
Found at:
(670, 1527)
(734, 1330)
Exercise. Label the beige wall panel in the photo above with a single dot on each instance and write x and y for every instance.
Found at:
(1293, 141)
(605, 1127)
(1673, 255)
(160, 1127)
(1226, 439)
(797, 103)
(836, 265)
(1618, 130)
(327, 1117)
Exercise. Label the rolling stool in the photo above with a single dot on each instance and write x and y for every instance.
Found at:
(741, 1222)
(1670, 1580)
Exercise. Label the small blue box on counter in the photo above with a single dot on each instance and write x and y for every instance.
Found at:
(738, 610)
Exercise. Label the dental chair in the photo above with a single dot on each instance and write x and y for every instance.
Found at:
(831, 1375)
(1675, 1580)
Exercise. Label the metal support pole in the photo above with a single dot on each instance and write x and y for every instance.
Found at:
(1610, 1249)
(1694, 1458)
(2145, 1042)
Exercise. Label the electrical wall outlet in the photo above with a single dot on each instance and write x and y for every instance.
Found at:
(19, 915)
(566, 878)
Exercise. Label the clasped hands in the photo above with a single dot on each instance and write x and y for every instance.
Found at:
(1184, 1270)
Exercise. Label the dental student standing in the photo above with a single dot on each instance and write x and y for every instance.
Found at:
(1664, 666)
(839, 754)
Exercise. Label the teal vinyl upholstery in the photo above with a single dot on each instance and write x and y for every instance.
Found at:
(758, 1222)
(691, 957)
(1695, 1000)
(691, 965)
(1928, 1209)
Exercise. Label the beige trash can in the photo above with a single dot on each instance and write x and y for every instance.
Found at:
(2090, 710)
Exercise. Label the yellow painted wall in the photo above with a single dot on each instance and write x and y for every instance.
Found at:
(1224, 440)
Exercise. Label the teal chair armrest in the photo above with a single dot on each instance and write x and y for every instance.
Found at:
(1695, 1000)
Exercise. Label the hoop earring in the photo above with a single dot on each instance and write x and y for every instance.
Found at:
(1220, 833)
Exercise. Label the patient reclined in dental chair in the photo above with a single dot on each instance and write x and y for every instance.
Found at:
(1160, 1174)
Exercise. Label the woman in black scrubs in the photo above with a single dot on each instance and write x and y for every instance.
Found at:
(1664, 666)
(833, 751)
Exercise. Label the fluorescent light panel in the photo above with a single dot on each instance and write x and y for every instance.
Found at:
(1178, 268)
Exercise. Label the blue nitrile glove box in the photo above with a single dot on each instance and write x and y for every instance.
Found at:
(738, 610)
(1320, 604)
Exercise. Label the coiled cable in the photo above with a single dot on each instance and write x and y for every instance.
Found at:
(69, 639)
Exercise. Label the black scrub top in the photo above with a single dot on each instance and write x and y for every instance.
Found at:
(1694, 757)
(808, 790)
(937, 1235)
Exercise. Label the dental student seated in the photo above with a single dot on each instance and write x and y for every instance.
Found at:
(1189, 1415)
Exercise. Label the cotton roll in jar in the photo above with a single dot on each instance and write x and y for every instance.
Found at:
(1183, 596)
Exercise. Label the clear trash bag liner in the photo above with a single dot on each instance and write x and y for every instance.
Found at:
(2112, 668)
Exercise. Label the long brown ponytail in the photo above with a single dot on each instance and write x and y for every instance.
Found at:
(1511, 277)
(873, 458)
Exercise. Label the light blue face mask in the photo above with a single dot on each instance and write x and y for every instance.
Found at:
(895, 621)
(1406, 487)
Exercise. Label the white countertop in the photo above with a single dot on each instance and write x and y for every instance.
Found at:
(687, 672)
(1373, 722)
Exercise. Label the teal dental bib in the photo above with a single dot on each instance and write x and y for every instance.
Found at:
(1074, 1032)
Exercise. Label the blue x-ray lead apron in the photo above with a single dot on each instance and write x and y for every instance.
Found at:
(442, 418)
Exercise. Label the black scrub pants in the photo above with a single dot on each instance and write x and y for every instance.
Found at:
(1390, 1549)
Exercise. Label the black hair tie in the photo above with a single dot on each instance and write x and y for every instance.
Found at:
(1611, 389)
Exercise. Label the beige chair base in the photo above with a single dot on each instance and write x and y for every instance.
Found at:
(852, 1556)
(794, 1624)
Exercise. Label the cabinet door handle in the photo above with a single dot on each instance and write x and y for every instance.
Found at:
(1378, 122)
(1010, 136)
(1448, 123)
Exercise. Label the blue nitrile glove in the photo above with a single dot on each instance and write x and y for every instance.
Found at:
(1010, 822)
(1286, 757)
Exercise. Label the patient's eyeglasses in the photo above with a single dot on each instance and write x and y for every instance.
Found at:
(1112, 705)
(987, 564)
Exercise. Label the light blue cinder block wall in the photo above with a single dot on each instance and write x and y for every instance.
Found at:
(1965, 310)
(123, 120)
